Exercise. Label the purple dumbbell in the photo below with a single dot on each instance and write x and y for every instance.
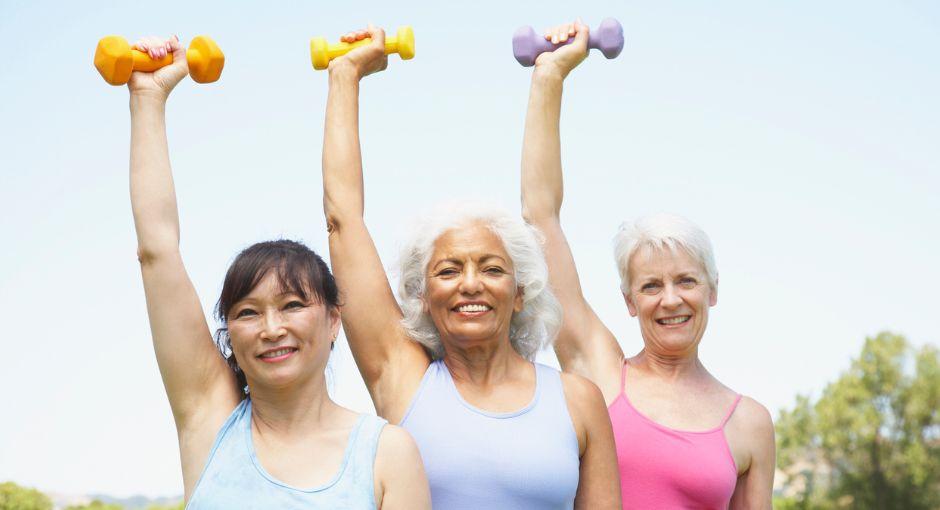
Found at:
(527, 44)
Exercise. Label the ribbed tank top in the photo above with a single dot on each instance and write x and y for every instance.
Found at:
(234, 478)
(475, 459)
(668, 469)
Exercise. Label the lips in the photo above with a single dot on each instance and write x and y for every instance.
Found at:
(673, 321)
(275, 355)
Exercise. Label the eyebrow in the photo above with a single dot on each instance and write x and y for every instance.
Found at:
(460, 262)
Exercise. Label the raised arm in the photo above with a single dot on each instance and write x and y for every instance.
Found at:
(584, 345)
(390, 363)
(200, 386)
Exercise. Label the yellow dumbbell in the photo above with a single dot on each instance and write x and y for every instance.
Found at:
(321, 52)
(116, 60)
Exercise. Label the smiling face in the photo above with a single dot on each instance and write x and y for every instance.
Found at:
(471, 290)
(278, 338)
(670, 295)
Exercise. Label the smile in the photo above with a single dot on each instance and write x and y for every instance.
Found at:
(472, 308)
(673, 320)
(277, 354)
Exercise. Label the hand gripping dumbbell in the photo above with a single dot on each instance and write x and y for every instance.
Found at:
(321, 52)
(527, 44)
(116, 60)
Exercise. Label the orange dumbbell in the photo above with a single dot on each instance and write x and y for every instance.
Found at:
(116, 60)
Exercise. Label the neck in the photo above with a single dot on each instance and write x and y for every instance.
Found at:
(483, 363)
(670, 366)
(291, 409)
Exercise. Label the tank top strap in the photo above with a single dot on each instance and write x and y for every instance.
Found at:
(734, 406)
(364, 441)
(623, 376)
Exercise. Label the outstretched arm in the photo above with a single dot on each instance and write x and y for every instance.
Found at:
(390, 363)
(584, 345)
(200, 386)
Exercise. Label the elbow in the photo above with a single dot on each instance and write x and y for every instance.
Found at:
(149, 255)
(539, 214)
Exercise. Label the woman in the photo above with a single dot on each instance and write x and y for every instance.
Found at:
(674, 422)
(452, 364)
(285, 444)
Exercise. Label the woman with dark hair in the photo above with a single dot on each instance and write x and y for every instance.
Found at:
(260, 431)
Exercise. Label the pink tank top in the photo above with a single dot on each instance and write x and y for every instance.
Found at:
(667, 469)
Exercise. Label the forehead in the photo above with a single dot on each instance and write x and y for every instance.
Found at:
(270, 286)
(656, 262)
(473, 241)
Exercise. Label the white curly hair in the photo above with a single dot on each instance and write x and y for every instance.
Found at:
(531, 329)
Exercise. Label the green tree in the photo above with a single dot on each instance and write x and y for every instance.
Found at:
(872, 440)
(14, 497)
(95, 505)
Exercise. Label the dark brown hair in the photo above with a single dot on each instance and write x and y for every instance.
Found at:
(298, 269)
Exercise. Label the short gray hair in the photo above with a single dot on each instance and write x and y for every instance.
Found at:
(663, 231)
(531, 329)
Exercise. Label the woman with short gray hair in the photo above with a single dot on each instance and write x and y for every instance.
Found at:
(453, 362)
(683, 439)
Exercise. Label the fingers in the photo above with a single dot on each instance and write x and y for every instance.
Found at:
(377, 35)
(355, 35)
(561, 33)
(157, 47)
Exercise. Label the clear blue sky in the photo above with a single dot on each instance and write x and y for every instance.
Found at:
(801, 135)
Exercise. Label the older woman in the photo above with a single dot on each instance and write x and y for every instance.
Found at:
(684, 440)
(259, 431)
(453, 364)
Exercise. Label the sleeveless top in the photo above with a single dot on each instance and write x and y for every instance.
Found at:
(234, 478)
(664, 468)
(476, 459)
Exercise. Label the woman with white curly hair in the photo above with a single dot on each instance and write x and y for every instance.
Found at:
(453, 363)
(683, 439)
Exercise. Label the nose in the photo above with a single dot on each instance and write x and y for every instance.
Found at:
(273, 329)
(671, 298)
(470, 282)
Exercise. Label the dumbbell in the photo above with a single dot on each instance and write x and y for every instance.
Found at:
(527, 44)
(321, 52)
(115, 59)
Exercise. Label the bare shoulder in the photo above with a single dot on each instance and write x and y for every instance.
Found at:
(400, 481)
(751, 416)
(395, 446)
(585, 400)
(580, 389)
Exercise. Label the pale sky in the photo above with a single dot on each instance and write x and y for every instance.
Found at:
(802, 136)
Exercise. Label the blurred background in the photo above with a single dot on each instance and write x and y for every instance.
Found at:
(802, 136)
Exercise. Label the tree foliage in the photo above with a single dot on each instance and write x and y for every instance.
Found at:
(872, 440)
(14, 497)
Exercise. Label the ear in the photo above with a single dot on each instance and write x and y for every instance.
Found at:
(335, 321)
(631, 306)
(713, 295)
(517, 302)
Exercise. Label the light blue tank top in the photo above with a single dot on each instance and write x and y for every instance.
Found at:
(475, 459)
(234, 478)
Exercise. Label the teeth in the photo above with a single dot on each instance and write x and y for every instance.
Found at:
(472, 308)
(673, 320)
(279, 352)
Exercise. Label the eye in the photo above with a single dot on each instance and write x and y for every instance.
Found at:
(494, 270)
(245, 312)
(294, 304)
(447, 272)
(650, 288)
(688, 282)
